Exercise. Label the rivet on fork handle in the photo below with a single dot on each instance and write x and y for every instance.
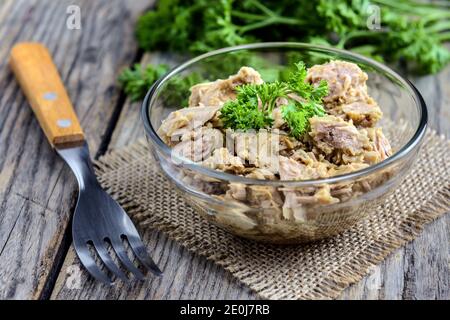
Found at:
(42, 85)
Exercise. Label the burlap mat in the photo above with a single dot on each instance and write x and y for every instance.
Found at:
(314, 271)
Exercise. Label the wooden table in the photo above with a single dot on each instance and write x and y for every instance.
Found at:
(37, 191)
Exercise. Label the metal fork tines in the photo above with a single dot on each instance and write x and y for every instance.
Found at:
(99, 221)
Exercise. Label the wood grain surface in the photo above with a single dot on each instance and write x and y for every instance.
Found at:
(37, 193)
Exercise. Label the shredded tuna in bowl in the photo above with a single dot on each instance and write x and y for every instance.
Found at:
(284, 142)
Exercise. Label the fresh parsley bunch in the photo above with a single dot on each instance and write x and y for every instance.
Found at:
(254, 103)
(412, 32)
(136, 80)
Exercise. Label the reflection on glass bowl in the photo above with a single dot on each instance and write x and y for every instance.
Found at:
(404, 124)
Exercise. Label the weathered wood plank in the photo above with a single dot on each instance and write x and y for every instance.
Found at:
(420, 270)
(36, 189)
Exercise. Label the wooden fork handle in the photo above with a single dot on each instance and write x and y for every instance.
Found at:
(40, 81)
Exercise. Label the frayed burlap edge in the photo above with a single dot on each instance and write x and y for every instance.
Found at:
(337, 280)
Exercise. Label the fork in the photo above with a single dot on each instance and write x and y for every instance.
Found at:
(98, 221)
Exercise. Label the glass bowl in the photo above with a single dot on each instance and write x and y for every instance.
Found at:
(404, 124)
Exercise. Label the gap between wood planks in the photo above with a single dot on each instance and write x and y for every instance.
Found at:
(116, 114)
(66, 241)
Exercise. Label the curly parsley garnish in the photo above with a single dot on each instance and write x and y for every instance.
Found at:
(253, 106)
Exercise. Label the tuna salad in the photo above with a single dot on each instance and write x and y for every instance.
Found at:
(318, 122)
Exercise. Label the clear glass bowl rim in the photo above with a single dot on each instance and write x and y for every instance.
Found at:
(403, 152)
